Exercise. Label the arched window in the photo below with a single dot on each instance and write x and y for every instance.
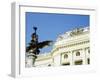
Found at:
(88, 61)
(88, 50)
(78, 53)
(65, 56)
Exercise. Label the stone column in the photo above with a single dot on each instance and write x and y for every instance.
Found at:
(84, 56)
(71, 58)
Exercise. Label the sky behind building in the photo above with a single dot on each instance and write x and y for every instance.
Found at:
(51, 25)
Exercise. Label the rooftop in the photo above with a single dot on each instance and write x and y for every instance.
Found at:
(72, 33)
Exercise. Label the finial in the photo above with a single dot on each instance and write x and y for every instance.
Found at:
(35, 28)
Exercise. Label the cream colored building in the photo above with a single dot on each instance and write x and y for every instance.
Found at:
(70, 48)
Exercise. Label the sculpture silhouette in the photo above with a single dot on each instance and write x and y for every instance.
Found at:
(35, 46)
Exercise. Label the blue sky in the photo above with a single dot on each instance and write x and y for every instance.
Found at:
(51, 25)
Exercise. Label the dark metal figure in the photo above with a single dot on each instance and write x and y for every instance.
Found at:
(34, 45)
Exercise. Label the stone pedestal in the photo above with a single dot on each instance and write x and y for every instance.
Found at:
(30, 60)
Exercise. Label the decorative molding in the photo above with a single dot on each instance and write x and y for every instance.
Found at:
(60, 47)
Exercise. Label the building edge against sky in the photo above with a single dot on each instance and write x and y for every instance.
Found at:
(70, 48)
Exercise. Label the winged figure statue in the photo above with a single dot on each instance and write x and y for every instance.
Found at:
(35, 46)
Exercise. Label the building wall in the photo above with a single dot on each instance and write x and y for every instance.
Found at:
(43, 63)
(73, 50)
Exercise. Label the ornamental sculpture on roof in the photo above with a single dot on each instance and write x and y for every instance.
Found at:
(72, 33)
(77, 31)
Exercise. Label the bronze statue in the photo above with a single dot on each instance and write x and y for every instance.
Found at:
(35, 46)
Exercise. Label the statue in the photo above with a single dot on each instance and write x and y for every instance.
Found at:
(34, 46)
(77, 31)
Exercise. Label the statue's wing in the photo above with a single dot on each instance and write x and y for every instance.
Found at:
(44, 44)
(28, 48)
(39, 45)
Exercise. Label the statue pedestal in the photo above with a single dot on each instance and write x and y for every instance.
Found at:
(30, 60)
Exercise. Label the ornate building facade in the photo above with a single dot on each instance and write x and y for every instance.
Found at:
(70, 48)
